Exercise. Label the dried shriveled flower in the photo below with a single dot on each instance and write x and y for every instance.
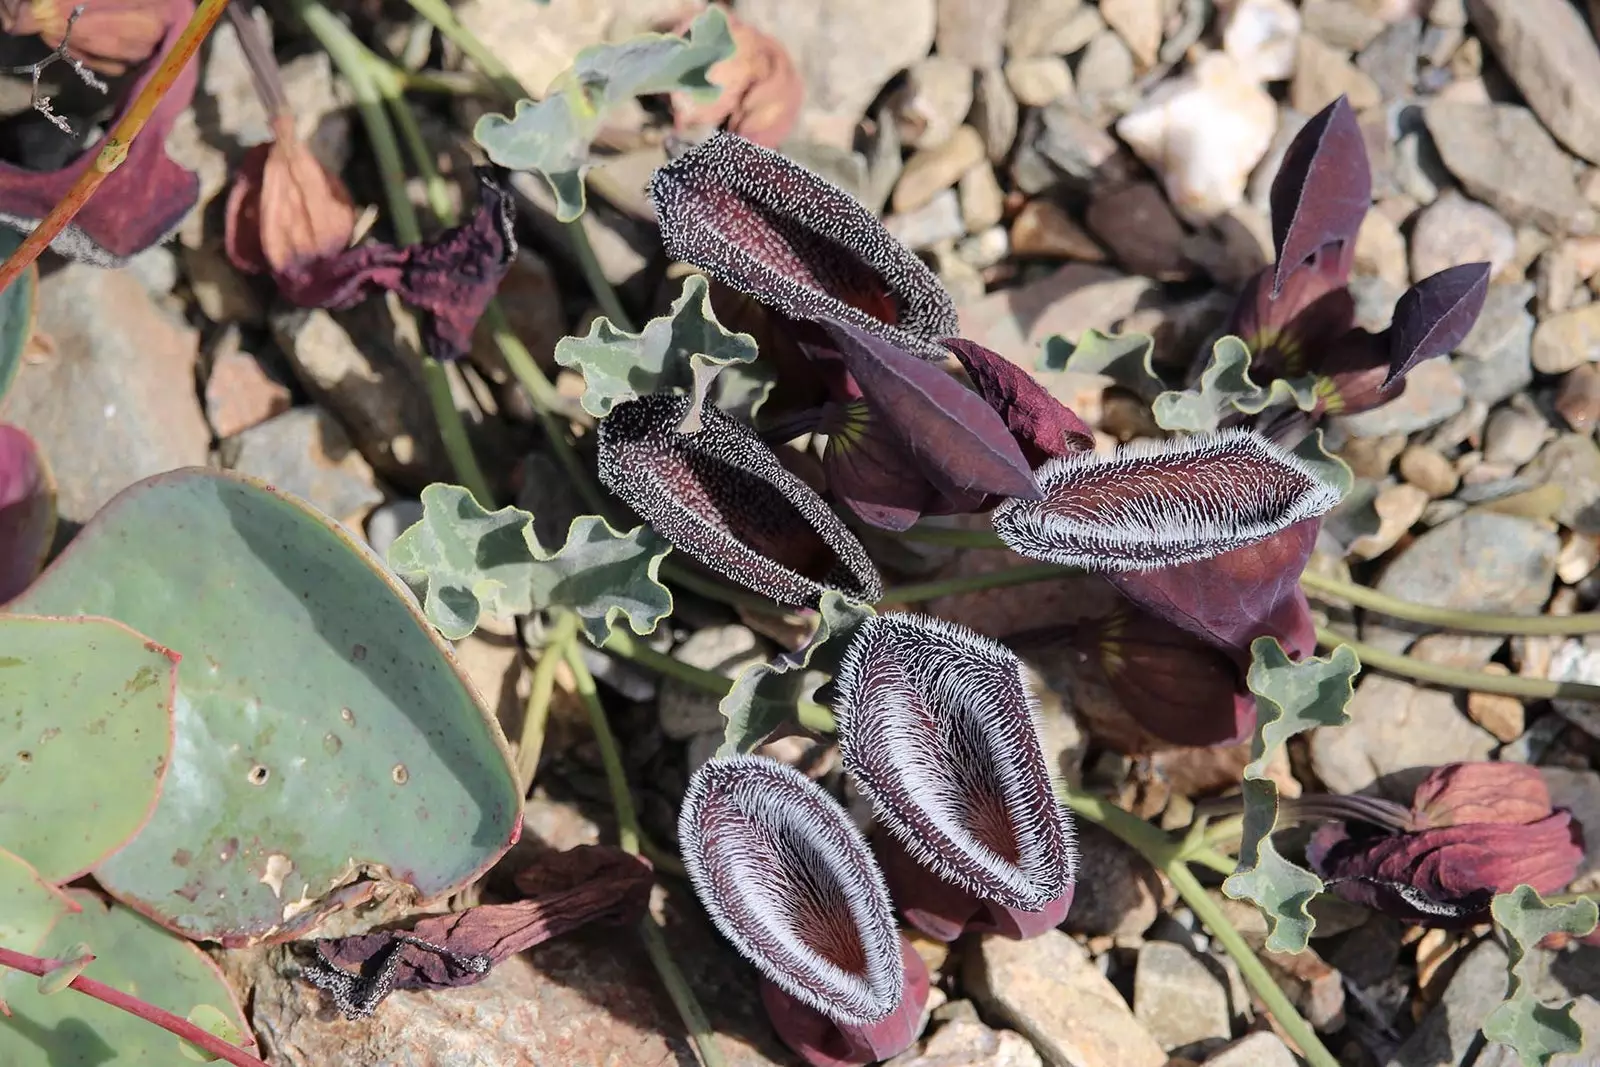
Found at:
(787, 878)
(1163, 503)
(1473, 830)
(285, 209)
(937, 727)
(763, 225)
(1043, 426)
(110, 35)
(722, 497)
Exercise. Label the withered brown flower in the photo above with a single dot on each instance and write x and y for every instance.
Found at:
(110, 35)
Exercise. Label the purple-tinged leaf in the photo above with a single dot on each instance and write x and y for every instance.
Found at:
(1285, 333)
(1177, 686)
(767, 227)
(957, 440)
(1434, 316)
(1163, 503)
(1232, 599)
(788, 879)
(1042, 425)
(938, 728)
(722, 497)
(1322, 191)
(823, 1043)
(27, 511)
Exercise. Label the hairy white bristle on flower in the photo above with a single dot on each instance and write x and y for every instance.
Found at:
(1158, 504)
(787, 877)
(938, 727)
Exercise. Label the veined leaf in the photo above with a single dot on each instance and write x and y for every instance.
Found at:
(465, 562)
(1536, 1032)
(1225, 387)
(1290, 699)
(1125, 358)
(685, 347)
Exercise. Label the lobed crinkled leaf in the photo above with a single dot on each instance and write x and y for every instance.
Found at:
(1536, 1032)
(27, 511)
(1163, 503)
(938, 728)
(764, 695)
(1432, 317)
(685, 347)
(464, 562)
(1225, 388)
(767, 227)
(1291, 698)
(1322, 191)
(552, 137)
(1125, 358)
(1330, 468)
(1042, 425)
(787, 878)
(722, 497)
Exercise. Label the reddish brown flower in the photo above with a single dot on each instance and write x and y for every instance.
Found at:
(285, 209)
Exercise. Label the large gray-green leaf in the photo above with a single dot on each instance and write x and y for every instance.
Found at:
(1290, 699)
(685, 347)
(1125, 358)
(1536, 1032)
(553, 136)
(1225, 387)
(1330, 467)
(464, 562)
(763, 697)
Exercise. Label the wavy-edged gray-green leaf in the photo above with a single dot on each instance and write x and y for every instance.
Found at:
(465, 562)
(763, 696)
(685, 347)
(1536, 1032)
(1333, 470)
(1225, 387)
(1291, 698)
(1125, 358)
(552, 137)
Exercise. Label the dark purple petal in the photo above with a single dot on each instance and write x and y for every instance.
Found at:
(1322, 191)
(1163, 503)
(143, 200)
(1041, 424)
(452, 277)
(1353, 374)
(958, 441)
(1182, 689)
(1480, 793)
(27, 511)
(788, 879)
(944, 912)
(938, 728)
(1434, 316)
(1232, 599)
(1288, 333)
(821, 1042)
(871, 472)
(763, 225)
(722, 497)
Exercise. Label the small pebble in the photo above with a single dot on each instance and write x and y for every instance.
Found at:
(1578, 398)
(1567, 340)
(983, 202)
(1399, 508)
(1454, 230)
(1429, 470)
(1044, 229)
(1579, 556)
(1513, 436)
(930, 171)
(1504, 716)
(1039, 80)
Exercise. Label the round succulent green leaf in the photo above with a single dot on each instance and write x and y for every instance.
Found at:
(85, 738)
(17, 305)
(29, 906)
(326, 741)
(133, 955)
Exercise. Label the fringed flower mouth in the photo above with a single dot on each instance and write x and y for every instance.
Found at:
(938, 728)
(722, 496)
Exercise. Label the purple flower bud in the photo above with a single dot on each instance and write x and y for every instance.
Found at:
(787, 878)
(721, 496)
(1043, 426)
(938, 728)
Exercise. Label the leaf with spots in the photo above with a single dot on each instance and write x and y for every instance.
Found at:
(465, 562)
(1537, 1032)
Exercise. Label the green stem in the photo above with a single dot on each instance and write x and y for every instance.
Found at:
(972, 583)
(444, 20)
(605, 294)
(721, 592)
(952, 537)
(453, 432)
(1471, 621)
(630, 837)
(1165, 854)
(541, 688)
(1457, 677)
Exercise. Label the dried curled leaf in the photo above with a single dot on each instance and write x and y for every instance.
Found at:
(464, 561)
(938, 728)
(787, 878)
(552, 137)
(1163, 503)
(1225, 388)
(761, 90)
(1536, 1032)
(1290, 699)
(769, 228)
(722, 497)
(685, 347)
(1322, 191)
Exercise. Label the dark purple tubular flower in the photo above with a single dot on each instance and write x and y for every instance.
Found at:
(938, 728)
(788, 879)
(721, 496)
(1473, 830)
(1298, 317)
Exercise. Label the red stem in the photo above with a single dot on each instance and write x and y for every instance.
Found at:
(183, 1028)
